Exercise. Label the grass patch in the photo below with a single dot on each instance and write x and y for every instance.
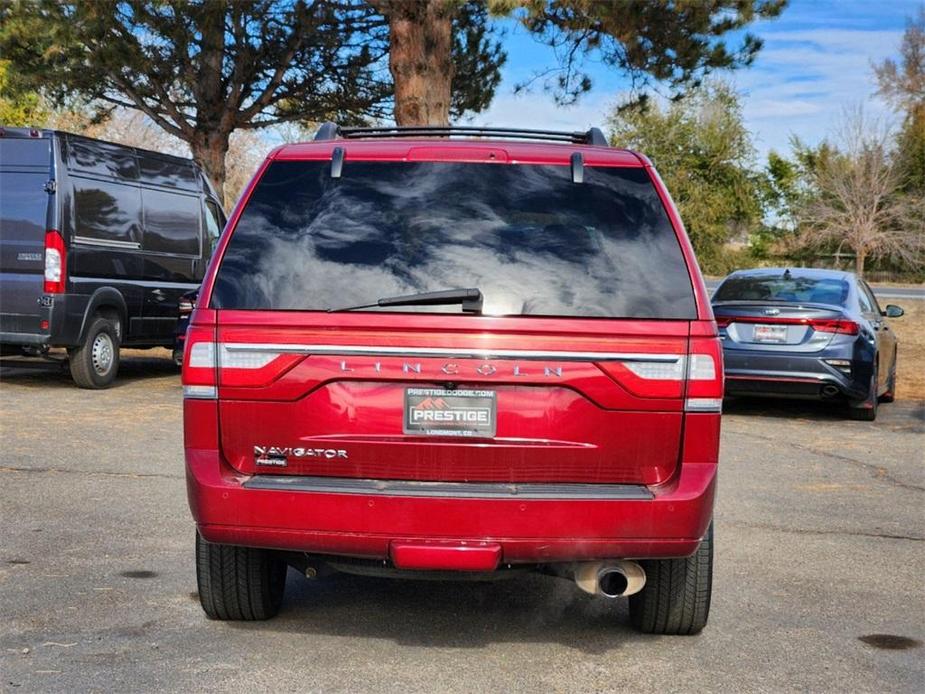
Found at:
(910, 329)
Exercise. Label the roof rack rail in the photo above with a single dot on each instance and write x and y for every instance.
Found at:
(332, 131)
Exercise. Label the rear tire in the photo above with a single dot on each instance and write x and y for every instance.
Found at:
(890, 394)
(676, 597)
(866, 410)
(96, 362)
(238, 583)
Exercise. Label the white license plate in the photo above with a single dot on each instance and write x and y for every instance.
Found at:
(770, 333)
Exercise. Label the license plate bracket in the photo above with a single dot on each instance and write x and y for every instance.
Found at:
(442, 412)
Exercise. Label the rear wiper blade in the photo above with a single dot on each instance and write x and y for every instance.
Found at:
(470, 298)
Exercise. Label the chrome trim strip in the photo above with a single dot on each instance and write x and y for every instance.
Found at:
(453, 490)
(86, 241)
(445, 353)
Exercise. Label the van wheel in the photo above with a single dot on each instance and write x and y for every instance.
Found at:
(95, 363)
(676, 597)
(238, 583)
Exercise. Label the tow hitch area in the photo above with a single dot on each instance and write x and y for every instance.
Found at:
(456, 555)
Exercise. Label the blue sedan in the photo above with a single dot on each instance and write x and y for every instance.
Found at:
(807, 333)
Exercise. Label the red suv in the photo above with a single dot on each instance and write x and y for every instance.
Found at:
(420, 355)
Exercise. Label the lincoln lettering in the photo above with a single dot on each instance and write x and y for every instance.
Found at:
(456, 369)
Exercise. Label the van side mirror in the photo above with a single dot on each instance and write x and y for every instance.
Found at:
(893, 311)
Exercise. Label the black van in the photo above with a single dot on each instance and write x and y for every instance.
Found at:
(98, 242)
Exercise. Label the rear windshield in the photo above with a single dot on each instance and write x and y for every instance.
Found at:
(533, 241)
(17, 152)
(778, 288)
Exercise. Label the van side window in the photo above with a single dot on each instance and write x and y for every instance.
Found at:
(162, 171)
(102, 159)
(171, 222)
(213, 226)
(107, 212)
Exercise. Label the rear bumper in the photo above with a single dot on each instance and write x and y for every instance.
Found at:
(230, 510)
(793, 375)
(13, 338)
(64, 318)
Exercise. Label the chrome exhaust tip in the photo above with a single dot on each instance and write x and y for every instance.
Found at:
(829, 391)
(612, 579)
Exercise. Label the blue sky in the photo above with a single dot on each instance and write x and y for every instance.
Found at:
(816, 62)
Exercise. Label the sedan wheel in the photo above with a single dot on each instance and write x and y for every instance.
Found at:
(866, 410)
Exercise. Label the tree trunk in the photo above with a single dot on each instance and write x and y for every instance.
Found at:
(421, 59)
(860, 255)
(209, 148)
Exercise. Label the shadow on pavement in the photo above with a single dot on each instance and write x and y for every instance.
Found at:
(452, 614)
(781, 407)
(908, 414)
(134, 365)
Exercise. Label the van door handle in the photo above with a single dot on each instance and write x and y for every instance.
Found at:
(159, 294)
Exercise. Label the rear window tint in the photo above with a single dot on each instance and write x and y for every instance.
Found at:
(17, 152)
(814, 290)
(23, 211)
(534, 242)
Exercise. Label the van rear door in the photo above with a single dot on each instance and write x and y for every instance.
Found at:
(25, 170)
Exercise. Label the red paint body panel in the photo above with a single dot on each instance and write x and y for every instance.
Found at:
(528, 530)
(570, 421)
(439, 555)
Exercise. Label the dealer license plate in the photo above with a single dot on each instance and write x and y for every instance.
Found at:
(771, 333)
(440, 412)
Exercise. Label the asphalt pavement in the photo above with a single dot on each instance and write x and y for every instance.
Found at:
(820, 525)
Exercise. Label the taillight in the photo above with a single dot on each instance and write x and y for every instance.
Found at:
(55, 263)
(205, 361)
(704, 376)
(200, 363)
(186, 305)
(839, 326)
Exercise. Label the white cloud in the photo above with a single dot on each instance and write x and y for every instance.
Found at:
(804, 79)
(800, 84)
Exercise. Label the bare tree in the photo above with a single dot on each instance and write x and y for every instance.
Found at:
(857, 203)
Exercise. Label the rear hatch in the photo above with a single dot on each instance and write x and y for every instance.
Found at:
(573, 370)
(24, 210)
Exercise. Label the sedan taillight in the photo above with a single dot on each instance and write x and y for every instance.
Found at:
(840, 326)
